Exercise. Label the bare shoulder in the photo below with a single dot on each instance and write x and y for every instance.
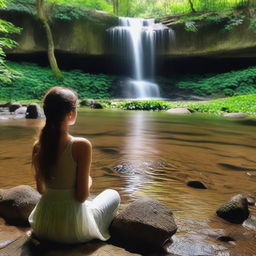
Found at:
(81, 144)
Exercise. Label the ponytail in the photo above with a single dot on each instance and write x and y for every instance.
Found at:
(58, 102)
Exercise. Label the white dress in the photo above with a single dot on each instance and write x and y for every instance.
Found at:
(59, 217)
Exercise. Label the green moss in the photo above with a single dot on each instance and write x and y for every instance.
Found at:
(32, 81)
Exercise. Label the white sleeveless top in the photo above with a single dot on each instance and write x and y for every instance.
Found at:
(59, 217)
(63, 173)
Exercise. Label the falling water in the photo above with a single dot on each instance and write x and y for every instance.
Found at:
(137, 41)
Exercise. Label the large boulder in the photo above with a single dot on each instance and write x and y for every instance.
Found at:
(14, 106)
(96, 105)
(17, 203)
(87, 102)
(235, 210)
(145, 224)
(33, 111)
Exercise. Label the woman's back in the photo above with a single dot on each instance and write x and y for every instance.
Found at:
(63, 173)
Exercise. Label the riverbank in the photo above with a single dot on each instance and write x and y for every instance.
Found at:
(239, 104)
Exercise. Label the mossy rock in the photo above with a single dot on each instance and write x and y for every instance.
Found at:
(235, 210)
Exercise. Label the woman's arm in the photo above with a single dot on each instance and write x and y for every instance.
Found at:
(39, 180)
(83, 152)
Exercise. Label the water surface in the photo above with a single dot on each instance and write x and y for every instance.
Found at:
(166, 150)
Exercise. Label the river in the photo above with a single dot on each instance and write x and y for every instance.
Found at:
(161, 152)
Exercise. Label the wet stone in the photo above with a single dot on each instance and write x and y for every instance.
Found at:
(96, 105)
(225, 238)
(235, 210)
(14, 106)
(143, 225)
(20, 111)
(33, 111)
(196, 184)
(17, 203)
(87, 102)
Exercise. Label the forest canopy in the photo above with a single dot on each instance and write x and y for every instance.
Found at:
(156, 8)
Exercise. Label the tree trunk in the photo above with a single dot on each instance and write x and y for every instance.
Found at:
(51, 56)
(115, 6)
(191, 5)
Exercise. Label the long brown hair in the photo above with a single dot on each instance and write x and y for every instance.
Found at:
(58, 102)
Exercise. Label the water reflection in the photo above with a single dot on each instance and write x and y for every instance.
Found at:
(139, 143)
(139, 148)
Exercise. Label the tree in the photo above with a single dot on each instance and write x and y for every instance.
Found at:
(51, 56)
(191, 6)
(6, 28)
(115, 4)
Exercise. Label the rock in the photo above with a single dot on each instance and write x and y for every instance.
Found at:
(225, 238)
(196, 184)
(235, 210)
(96, 105)
(235, 115)
(194, 245)
(91, 103)
(87, 102)
(14, 106)
(249, 197)
(179, 111)
(17, 203)
(5, 105)
(33, 111)
(20, 111)
(145, 224)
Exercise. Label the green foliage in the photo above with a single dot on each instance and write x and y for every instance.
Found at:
(32, 82)
(143, 105)
(160, 8)
(6, 28)
(191, 26)
(101, 5)
(66, 12)
(234, 21)
(28, 6)
(229, 20)
(245, 103)
(232, 83)
(253, 25)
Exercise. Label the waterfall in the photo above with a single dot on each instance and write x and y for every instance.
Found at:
(138, 41)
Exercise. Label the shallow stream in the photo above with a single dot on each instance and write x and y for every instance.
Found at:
(159, 153)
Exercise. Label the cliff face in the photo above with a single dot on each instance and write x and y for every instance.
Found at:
(86, 35)
(213, 41)
(82, 43)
